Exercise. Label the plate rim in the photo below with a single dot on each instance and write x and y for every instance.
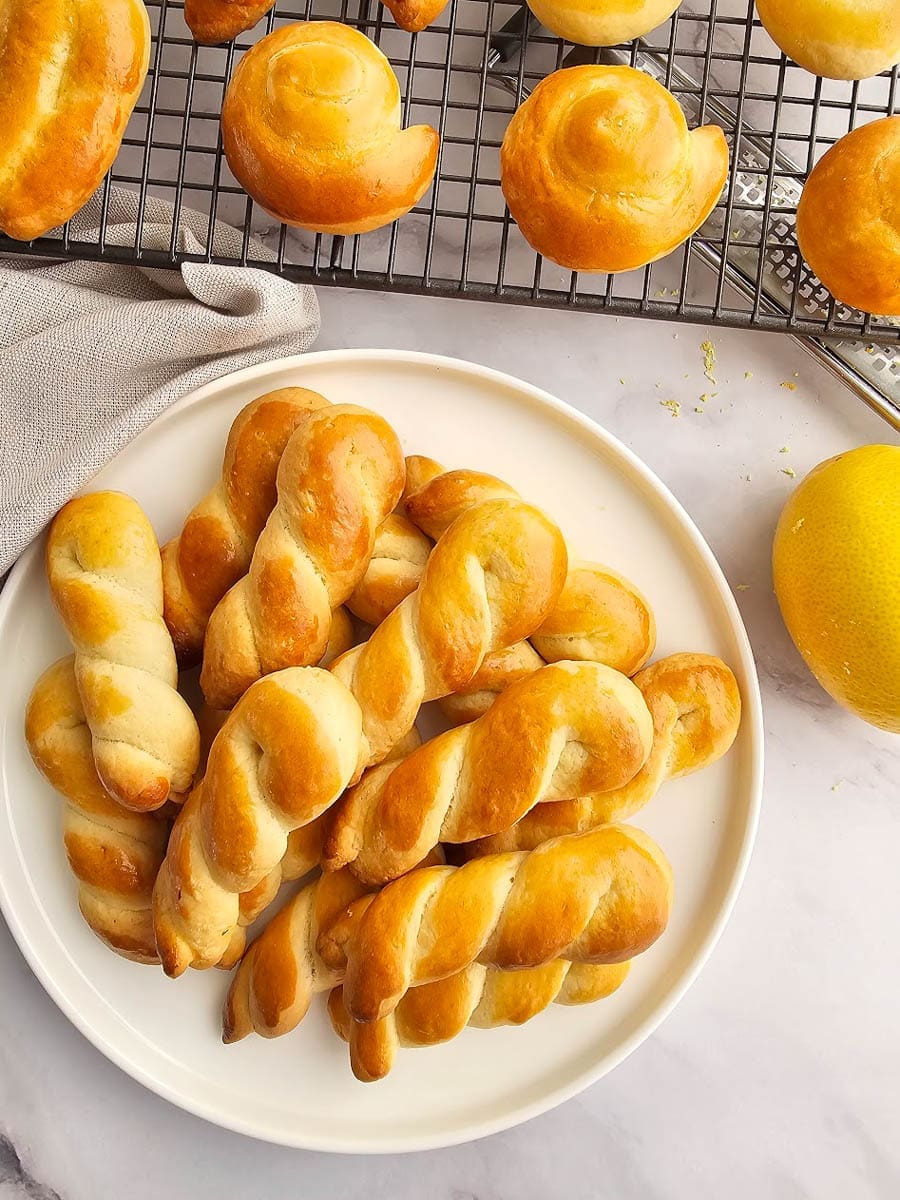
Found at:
(752, 716)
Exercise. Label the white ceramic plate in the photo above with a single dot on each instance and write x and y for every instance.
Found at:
(299, 1090)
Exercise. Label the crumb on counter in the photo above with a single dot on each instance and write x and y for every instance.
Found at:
(837, 784)
(785, 450)
(709, 360)
(789, 471)
(788, 385)
(743, 587)
(674, 406)
(748, 374)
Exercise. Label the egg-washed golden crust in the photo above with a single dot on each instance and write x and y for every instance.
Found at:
(479, 996)
(311, 127)
(214, 21)
(695, 704)
(71, 72)
(490, 581)
(602, 22)
(838, 39)
(600, 897)
(341, 474)
(284, 755)
(848, 219)
(105, 576)
(601, 173)
(565, 730)
(114, 854)
(216, 544)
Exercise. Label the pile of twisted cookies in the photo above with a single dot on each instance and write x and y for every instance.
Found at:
(471, 879)
(597, 166)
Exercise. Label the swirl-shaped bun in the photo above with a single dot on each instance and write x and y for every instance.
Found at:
(838, 39)
(602, 22)
(601, 173)
(848, 220)
(311, 129)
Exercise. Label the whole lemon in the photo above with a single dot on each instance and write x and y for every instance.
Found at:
(836, 562)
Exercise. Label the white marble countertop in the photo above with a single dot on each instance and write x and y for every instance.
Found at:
(778, 1076)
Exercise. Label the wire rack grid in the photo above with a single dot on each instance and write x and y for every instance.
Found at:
(465, 75)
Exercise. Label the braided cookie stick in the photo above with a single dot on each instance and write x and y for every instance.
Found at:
(490, 580)
(114, 854)
(394, 571)
(568, 729)
(498, 671)
(599, 616)
(600, 897)
(696, 709)
(285, 754)
(105, 577)
(281, 972)
(478, 996)
(305, 848)
(340, 475)
(214, 548)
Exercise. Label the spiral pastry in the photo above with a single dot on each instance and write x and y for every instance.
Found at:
(838, 39)
(601, 173)
(71, 72)
(602, 22)
(311, 129)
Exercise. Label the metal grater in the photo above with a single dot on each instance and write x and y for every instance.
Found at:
(869, 370)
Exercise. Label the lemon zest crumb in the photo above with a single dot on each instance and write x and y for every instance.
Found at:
(674, 406)
(788, 385)
(789, 471)
(709, 360)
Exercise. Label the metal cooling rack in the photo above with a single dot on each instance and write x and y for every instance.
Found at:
(465, 75)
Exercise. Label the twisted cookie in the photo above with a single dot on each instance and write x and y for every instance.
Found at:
(478, 996)
(599, 615)
(215, 546)
(104, 570)
(600, 897)
(114, 854)
(282, 971)
(286, 752)
(311, 129)
(305, 848)
(490, 580)
(696, 709)
(498, 671)
(340, 475)
(394, 571)
(600, 172)
(567, 729)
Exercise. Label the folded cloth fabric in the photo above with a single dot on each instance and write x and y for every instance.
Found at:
(91, 353)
